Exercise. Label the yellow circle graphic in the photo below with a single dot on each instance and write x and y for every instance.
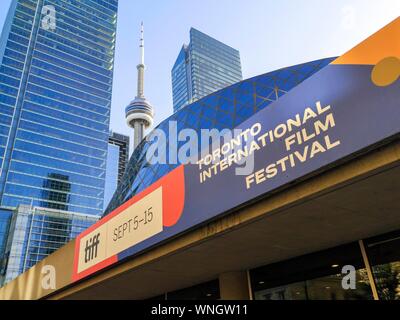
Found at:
(386, 72)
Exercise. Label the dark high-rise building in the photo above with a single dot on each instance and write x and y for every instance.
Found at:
(117, 160)
(203, 67)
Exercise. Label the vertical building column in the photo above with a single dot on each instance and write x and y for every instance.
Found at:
(370, 273)
(235, 286)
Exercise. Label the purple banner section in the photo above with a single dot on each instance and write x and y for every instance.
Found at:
(329, 117)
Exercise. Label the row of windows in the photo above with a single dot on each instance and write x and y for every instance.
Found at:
(72, 41)
(48, 232)
(14, 55)
(74, 6)
(22, 22)
(57, 164)
(90, 9)
(70, 83)
(10, 71)
(75, 58)
(105, 28)
(26, 9)
(57, 154)
(18, 38)
(4, 130)
(66, 52)
(68, 91)
(9, 81)
(53, 196)
(215, 73)
(180, 88)
(17, 47)
(41, 171)
(5, 120)
(216, 54)
(50, 59)
(74, 75)
(83, 31)
(205, 64)
(58, 133)
(9, 61)
(22, 16)
(13, 201)
(83, 110)
(202, 42)
(40, 119)
(21, 31)
(3, 141)
(51, 94)
(60, 144)
(8, 90)
(67, 117)
(201, 83)
(109, 4)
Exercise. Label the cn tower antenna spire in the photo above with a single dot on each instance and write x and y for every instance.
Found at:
(141, 67)
(140, 113)
(142, 44)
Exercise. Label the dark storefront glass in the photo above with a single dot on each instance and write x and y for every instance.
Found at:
(315, 276)
(384, 256)
(204, 291)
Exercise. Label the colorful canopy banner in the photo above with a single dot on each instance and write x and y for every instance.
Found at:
(347, 108)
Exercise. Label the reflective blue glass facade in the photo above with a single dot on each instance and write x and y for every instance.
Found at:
(203, 67)
(35, 233)
(111, 173)
(224, 109)
(55, 99)
(5, 219)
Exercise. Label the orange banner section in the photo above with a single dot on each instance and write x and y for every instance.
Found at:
(384, 43)
(143, 216)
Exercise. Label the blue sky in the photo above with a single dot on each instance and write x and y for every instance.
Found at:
(270, 34)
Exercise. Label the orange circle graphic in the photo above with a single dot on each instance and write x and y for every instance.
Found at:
(386, 72)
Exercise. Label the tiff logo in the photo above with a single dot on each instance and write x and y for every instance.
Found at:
(92, 248)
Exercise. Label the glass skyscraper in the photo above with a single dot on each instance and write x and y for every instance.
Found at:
(56, 72)
(204, 66)
(56, 76)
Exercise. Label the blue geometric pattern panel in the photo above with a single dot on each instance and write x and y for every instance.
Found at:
(224, 109)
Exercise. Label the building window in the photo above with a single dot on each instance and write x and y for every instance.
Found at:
(204, 291)
(315, 276)
(384, 257)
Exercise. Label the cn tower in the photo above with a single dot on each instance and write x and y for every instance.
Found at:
(140, 113)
